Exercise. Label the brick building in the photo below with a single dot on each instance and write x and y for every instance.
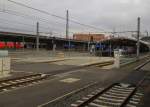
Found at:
(87, 37)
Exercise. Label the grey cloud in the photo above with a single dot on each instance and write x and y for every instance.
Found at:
(105, 14)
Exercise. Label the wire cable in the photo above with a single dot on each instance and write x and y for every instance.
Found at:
(29, 17)
(60, 17)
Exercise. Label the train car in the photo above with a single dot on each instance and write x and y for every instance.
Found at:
(11, 45)
(2, 45)
(18, 45)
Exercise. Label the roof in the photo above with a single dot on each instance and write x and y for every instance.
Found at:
(122, 39)
(14, 34)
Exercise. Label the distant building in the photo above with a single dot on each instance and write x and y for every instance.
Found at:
(88, 37)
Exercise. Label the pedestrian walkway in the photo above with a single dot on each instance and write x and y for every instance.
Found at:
(40, 59)
(84, 61)
(59, 58)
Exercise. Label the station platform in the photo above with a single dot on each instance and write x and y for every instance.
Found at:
(53, 65)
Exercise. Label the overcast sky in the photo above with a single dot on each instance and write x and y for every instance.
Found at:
(104, 14)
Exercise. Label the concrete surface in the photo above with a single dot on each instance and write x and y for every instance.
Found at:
(40, 59)
(51, 89)
(45, 53)
(62, 81)
(62, 84)
(83, 61)
(146, 87)
(55, 67)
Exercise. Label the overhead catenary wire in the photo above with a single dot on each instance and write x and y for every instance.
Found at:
(111, 32)
(9, 28)
(15, 22)
(20, 23)
(53, 15)
(29, 25)
(57, 16)
(30, 17)
(27, 16)
(46, 21)
(17, 29)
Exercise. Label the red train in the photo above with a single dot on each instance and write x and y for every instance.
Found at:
(9, 45)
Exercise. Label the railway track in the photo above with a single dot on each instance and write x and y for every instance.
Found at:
(115, 95)
(10, 84)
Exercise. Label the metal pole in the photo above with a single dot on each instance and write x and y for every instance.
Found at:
(138, 38)
(37, 37)
(109, 43)
(114, 31)
(67, 28)
(23, 42)
(147, 33)
(67, 24)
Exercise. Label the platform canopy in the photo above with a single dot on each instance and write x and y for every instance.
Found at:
(122, 42)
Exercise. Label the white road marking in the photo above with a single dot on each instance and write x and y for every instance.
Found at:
(70, 80)
(5, 83)
(13, 87)
(5, 89)
(12, 82)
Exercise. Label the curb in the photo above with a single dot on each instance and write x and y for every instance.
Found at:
(96, 63)
(126, 63)
(56, 60)
(105, 64)
(50, 61)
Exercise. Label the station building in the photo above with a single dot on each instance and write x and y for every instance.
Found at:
(11, 40)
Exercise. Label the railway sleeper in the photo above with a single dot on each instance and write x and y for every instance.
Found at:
(105, 103)
(113, 96)
(110, 99)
